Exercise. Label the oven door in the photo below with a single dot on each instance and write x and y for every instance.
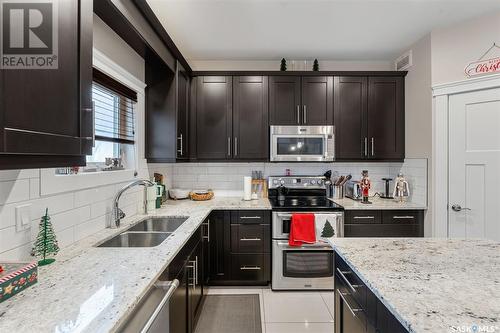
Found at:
(302, 143)
(307, 267)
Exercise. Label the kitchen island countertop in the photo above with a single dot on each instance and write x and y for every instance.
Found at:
(92, 289)
(430, 285)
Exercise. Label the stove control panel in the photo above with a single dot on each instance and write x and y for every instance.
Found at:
(297, 181)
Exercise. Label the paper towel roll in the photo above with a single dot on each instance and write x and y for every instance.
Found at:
(247, 188)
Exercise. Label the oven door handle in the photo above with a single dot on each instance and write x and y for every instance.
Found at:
(312, 247)
(284, 215)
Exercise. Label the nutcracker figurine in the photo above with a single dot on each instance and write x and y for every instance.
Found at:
(401, 188)
(365, 187)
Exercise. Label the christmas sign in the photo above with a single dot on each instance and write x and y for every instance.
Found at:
(484, 66)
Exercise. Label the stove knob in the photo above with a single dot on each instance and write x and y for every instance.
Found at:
(282, 182)
(313, 182)
(275, 182)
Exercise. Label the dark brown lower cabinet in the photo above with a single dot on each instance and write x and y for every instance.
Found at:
(239, 248)
(357, 309)
(387, 223)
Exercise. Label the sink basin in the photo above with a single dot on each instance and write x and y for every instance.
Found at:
(136, 239)
(162, 224)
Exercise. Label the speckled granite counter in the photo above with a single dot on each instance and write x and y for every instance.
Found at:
(90, 289)
(431, 285)
(377, 204)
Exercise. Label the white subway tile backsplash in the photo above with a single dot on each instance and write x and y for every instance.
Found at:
(9, 238)
(14, 191)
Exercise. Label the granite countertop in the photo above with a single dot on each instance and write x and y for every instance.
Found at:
(431, 285)
(91, 289)
(377, 204)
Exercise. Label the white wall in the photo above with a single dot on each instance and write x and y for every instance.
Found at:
(455, 46)
(75, 213)
(273, 65)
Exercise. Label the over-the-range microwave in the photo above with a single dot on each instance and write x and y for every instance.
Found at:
(302, 143)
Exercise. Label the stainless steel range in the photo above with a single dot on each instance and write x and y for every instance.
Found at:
(307, 267)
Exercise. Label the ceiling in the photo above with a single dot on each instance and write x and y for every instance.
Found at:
(305, 29)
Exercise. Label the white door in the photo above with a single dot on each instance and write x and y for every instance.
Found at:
(474, 164)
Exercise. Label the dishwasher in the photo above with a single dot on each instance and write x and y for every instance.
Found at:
(151, 315)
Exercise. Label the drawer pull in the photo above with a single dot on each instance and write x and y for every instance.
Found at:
(351, 286)
(250, 239)
(250, 217)
(353, 310)
(363, 217)
(250, 268)
(406, 217)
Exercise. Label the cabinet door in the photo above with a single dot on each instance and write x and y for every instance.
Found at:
(250, 118)
(195, 289)
(350, 118)
(182, 113)
(49, 111)
(317, 100)
(178, 305)
(214, 118)
(220, 245)
(386, 122)
(284, 100)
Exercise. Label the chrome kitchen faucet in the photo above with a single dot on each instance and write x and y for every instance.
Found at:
(118, 214)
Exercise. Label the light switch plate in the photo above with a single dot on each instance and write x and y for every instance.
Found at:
(23, 217)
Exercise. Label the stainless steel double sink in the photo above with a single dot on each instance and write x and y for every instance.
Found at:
(150, 232)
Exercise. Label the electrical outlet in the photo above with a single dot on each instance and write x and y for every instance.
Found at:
(23, 217)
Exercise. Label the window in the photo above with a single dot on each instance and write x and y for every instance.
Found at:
(114, 106)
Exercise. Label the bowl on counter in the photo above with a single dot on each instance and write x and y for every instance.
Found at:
(179, 193)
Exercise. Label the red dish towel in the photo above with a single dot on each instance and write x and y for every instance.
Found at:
(302, 230)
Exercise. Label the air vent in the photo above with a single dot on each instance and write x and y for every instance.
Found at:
(404, 62)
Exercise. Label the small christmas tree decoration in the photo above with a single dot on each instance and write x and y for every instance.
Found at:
(328, 230)
(283, 65)
(46, 243)
(316, 65)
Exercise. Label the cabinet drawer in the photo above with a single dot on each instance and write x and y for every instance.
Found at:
(402, 216)
(250, 267)
(250, 238)
(353, 284)
(251, 217)
(363, 216)
(382, 230)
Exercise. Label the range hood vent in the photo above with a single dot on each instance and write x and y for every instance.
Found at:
(404, 62)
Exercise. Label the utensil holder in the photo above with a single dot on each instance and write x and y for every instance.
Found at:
(338, 191)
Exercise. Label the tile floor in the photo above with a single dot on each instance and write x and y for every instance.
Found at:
(290, 312)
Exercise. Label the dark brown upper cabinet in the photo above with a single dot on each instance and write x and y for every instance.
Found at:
(296, 100)
(182, 101)
(317, 100)
(284, 100)
(386, 121)
(46, 115)
(214, 139)
(250, 118)
(369, 118)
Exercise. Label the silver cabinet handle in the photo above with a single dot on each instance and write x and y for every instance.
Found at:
(363, 217)
(181, 148)
(406, 217)
(235, 146)
(207, 237)
(250, 239)
(366, 146)
(458, 208)
(298, 114)
(250, 217)
(171, 288)
(351, 309)
(351, 286)
(193, 280)
(250, 268)
(305, 114)
(373, 145)
(196, 271)
(228, 146)
(93, 123)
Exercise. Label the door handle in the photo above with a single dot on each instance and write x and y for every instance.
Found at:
(250, 268)
(171, 287)
(207, 237)
(351, 286)
(250, 239)
(305, 114)
(180, 150)
(235, 146)
(196, 271)
(228, 146)
(458, 208)
(298, 114)
(351, 309)
(193, 267)
(366, 146)
(373, 147)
